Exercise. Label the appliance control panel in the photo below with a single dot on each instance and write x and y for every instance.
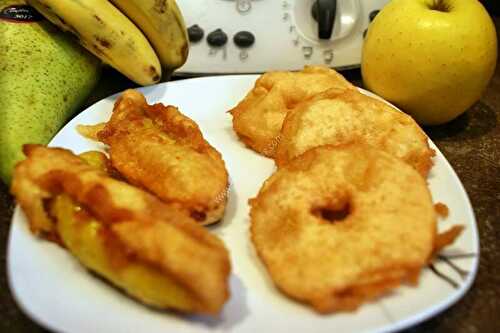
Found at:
(254, 36)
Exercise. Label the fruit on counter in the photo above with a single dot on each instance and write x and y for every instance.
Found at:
(106, 32)
(432, 58)
(162, 23)
(44, 78)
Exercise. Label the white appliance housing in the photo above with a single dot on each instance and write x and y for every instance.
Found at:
(285, 35)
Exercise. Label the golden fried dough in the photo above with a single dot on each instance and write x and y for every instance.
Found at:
(258, 118)
(341, 225)
(334, 117)
(150, 249)
(163, 151)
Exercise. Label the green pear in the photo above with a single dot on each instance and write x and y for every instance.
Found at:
(45, 76)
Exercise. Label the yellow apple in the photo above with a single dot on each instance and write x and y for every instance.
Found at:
(432, 58)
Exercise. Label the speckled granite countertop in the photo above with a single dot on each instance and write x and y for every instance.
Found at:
(471, 144)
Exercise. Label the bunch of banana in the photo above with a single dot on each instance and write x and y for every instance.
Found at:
(44, 78)
(139, 38)
(162, 22)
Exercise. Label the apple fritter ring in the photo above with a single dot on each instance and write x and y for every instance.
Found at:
(350, 116)
(341, 225)
(258, 118)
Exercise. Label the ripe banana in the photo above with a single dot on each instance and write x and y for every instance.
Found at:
(44, 78)
(162, 23)
(103, 30)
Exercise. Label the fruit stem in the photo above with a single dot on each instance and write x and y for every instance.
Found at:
(440, 5)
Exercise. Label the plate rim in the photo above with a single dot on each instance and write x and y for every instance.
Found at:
(410, 320)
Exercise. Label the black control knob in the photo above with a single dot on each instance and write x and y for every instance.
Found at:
(324, 12)
(195, 33)
(373, 14)
(244, 39)
(217, 38)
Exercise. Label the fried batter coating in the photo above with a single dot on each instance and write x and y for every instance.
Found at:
(148, 248)
(258, 118)
(337, 118)
(341, 225)
(161, 150)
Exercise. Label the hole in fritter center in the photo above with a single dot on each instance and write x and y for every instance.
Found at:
(333, 213)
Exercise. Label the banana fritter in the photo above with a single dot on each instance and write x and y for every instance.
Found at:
(161, 150)
(148, 248)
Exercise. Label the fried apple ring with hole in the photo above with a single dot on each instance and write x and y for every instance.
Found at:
(258, 118)
(341, 225)
(334, 117)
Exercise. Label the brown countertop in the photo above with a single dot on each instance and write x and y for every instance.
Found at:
(471, 144)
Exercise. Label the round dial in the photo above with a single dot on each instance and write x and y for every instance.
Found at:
(324, 12)
(323, 21)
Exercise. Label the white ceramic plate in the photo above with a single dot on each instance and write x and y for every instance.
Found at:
(57, 292)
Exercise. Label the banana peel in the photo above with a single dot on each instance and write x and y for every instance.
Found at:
(107, 33)
(162, 23)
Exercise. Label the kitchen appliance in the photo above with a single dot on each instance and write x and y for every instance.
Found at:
(253, 36)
